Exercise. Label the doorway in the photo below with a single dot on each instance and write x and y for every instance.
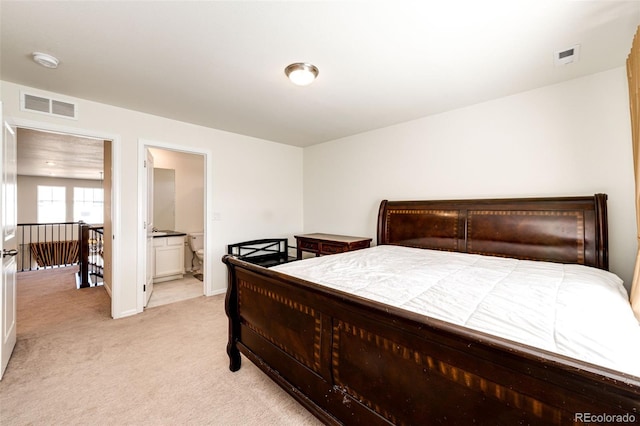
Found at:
(176, 194)
(51, 138)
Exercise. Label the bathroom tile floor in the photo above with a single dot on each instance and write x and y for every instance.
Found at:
(175, 291)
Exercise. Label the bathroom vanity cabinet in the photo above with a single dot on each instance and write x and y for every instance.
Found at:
(169, 257)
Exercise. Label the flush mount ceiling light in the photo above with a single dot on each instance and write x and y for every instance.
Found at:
(45, 60)
(301, 73)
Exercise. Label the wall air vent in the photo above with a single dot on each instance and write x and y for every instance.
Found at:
(567, 56)
(49, 106)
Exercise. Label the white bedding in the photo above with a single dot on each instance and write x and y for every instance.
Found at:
(578, 311)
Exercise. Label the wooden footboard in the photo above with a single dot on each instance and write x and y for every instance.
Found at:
(353, 361)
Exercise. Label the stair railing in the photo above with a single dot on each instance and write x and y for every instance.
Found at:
(91, 255)
(54, 245)
(47, 245)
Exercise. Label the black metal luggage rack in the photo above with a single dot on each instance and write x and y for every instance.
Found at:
(265, 252)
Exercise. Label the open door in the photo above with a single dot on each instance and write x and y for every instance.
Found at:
(8, 243)
(151, 263)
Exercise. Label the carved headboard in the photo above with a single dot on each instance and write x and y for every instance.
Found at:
(567, 229)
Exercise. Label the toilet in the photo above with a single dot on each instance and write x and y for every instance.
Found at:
(196, 243)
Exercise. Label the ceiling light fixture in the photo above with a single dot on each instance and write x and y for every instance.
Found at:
(45, 60)
(301, 73)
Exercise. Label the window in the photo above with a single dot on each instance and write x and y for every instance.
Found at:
(88, 205)
(51, 204)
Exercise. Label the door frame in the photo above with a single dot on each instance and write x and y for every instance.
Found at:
(144, 144)
(116, 290)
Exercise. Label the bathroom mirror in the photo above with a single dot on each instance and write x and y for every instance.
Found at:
(164, 198)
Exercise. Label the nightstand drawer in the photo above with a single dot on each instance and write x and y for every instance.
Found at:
(329, 243)
(309, 245)
(359, 245)
(328, 248)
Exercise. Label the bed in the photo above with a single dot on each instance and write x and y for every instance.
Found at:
(350, 359)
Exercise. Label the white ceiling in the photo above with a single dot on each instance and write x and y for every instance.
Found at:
(59, 156)
(220, 63)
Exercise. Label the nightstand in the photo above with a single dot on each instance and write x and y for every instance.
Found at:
(329, 244)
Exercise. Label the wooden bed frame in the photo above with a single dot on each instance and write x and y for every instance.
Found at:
(350, 360)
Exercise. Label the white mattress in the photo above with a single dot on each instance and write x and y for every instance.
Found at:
(574, 310)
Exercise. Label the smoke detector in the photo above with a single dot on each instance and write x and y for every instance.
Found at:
(45, 60)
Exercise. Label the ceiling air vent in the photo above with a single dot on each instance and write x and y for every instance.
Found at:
(48, 106)
(567, 56)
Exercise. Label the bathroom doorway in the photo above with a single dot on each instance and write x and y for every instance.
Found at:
(178, 196)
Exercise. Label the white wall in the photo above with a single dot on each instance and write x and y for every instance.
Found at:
(189, 187)
(572, 138)
(264, 200)
(28, 194)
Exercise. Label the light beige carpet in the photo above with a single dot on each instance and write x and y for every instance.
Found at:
(74, 365)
